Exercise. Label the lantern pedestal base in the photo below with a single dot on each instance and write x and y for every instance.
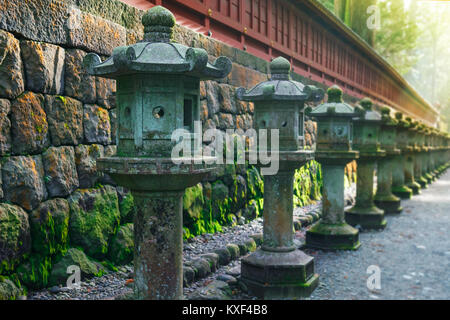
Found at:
(279, 275)
(389, 205)
(402, 192)
(367, 218)
(415, 187)
(332, 237)
(429, 178)
(423, 182)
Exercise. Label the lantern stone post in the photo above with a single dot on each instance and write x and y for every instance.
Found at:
(366, 131)
(279, 270)
(399, 187)
(157, 93)
(410, 155)
(384, 199)
(426, 168)
(334, 152)
(420, 155)
(442, 153)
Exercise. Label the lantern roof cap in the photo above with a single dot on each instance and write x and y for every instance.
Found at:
(365, 113)
(158, 54)
(402, 121)
(280, 86)
(334, 107)
(386, 117)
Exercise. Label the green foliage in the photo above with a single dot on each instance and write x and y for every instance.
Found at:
(354, 14)
(206, 209)
(329, 4)
(50, 237)
(126, 207)
(35, 272)
(307, 184)
(398, 35)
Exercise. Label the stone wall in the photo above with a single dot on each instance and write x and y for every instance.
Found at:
(56, 121)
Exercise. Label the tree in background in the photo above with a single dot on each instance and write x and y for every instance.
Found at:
(354, 14)
(413, 37)
(397, 39)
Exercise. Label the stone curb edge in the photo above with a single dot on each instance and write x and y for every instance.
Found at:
(207, 263)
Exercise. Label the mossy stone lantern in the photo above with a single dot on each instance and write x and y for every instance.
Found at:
(279, 269)
(426, 168)
(366, 135)
(441, 155)
(420, 156)
(435, 153)
(334, 152)
(384, 199)
(399, 187)
(410, 157)
(157, 92)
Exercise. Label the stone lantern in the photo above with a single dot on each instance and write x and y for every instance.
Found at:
(334, 152)
(410, 157)
(420, 156)
(384, 199)
(279, 269)
(157, 92)
(366, 134)
(399, 187)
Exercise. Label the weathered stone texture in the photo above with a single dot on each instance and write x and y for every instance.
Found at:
(29, 124)
(78, 83)
(5, 127)
(50, 227)
(72, 257)
(15, 240)
(113, 124)
(245, 77)
(60, 171)
(85, 159)
(212, 97)
(11, 68)
(44, 67)
(122, 245)
(97, 127)
(94, 33)
(106, 89)
(227, 100)
(41, 20)
(23, 182)
(94, 217)
(65, 120)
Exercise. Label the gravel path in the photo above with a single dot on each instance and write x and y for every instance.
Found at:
(413, 254)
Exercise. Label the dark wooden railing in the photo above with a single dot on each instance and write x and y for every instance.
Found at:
(318, 45)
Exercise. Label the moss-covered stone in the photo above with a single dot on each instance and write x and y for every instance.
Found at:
(15, 240)
(76, 257)
(34, 273)
(50, 227)
(126, 205)
(219, 201)
(94, 219)
(122, 245)
(193, 201)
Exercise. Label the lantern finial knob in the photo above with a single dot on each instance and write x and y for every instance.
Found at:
(280, 68)
(366, 103)
(334, 94)
(158, 24)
